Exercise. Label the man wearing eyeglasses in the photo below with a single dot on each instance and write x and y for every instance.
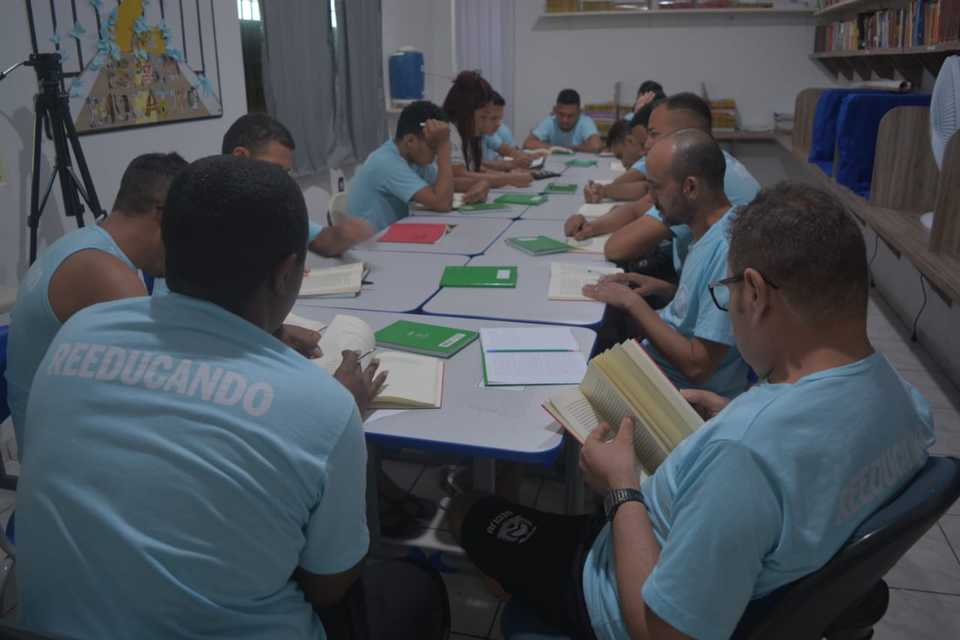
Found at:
(691, 338)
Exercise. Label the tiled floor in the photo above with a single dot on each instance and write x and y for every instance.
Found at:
(925, 585)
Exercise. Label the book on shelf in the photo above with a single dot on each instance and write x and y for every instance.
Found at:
(344, 281)
(917, 24)
(426, 339)
(413, 381)
(624, 381)
(567, 280)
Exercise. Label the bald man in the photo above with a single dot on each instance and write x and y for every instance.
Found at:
(690, 338)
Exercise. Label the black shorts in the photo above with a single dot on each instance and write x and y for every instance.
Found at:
(536, 557)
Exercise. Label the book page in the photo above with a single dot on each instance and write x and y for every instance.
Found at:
(595, 244)
(294, 319)
(616, 165)
(515, 368)
(572, 410)
(567, 280)
(598, 209)
(345, 333)
(412, 381)
(457, 201)
(529, 339)
(333, 280)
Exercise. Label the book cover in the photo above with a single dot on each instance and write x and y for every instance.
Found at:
(538, 245)
(416, 233)
(581, 162)
(481, 206)
(500, 277)
(526, 199)
(558, 187)
(427, 339)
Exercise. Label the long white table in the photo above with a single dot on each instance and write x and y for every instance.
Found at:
(551, 228)
(401, 282)
(526, 303)
(468, 236)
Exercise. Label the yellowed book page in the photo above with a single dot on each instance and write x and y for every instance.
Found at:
(572, 410)
(344, 279)
(412, 380)
(590, 245)
(685, 413)
(567, 280)
(345, 333)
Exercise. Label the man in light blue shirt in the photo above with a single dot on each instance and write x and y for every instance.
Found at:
(567, 127)
(764, 493)
(500, 143)
(690, 339)
(413, 167)
(186, 474)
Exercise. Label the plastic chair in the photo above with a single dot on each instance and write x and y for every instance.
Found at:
(337, 207)
(847, 596)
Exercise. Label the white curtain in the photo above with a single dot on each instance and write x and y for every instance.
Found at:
(484, 40)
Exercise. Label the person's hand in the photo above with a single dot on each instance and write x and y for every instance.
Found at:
(641, 284)
(364, 384)
(436, 132)
(306, 270)
(573, 224)
(610, 463)
(522, 161)
(706, 403)
(303, 340)
(643, 100)
(355, 230)
(520, 179)
(477, 192)
(594, 192)
(613, 293)
(587, 231)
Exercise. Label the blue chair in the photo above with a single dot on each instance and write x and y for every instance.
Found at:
(847, 596)
(823, 141)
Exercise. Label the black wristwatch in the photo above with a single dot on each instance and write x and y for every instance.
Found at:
(616, 497)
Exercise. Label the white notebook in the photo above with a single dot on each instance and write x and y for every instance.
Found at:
(567, 280)
(343, 280)
(528, 339)
(531, 356)
(617, 166)
(595, 244)
(596, 210)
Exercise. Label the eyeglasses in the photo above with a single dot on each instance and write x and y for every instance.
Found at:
(720, 290)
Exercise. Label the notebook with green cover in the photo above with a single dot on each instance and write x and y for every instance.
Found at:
(538, 245)
(559, 187)
(581, 162)
(503, 277)
(477, 207)
(528, 199)
(426, 339)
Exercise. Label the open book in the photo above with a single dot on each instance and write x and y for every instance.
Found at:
(595, 244)
(589, 210)
(342, 281)
(617, 167)
(625, 381)
(415, 381)
(567, 280)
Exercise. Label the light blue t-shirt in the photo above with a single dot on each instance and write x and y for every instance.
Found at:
(765, 493)
(160, 287)
(382, 188)
(190, 464)
(33, 323)
(493, 142)
(693, 313)
(549, 132)
(640, 165)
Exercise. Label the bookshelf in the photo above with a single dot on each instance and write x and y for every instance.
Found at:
(646, 13)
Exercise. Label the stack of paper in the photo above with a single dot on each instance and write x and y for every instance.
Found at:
(531, 356)
(342, 282)
(567, 280)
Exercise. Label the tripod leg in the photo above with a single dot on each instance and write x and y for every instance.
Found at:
(68, 187)
(89, 192)
(34, 220)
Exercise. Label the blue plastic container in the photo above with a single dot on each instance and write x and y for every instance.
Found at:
(406, 75)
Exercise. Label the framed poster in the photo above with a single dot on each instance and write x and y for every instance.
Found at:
(132, 63)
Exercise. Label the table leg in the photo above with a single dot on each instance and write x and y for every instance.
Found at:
(573, 479)
(484, 474)
(373, 492)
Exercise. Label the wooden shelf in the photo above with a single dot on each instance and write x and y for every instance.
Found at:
(736, 136)
(844, 5)
(662, 12)
(943, 47)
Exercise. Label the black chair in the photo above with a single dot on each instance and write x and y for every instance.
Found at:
(845, 598)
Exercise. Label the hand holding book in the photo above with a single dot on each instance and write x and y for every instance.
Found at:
(608, 459)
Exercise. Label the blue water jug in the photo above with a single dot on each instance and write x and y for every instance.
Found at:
(406, 75)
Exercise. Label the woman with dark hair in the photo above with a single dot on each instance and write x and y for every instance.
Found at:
(469, 105)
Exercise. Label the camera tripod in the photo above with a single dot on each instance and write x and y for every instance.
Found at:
(52, 117)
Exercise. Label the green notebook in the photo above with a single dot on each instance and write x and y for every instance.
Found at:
(538, 245)
(426, 339)
(481, 206)
(581, 162)
(528, 199)
(558, 187)
(505, 277)
(561, 151)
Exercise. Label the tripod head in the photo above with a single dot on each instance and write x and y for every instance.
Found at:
(49, 68)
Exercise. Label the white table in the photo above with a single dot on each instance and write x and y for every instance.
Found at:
(469, 237)
(510, 212)
(500, 250)
(526, 303)
(402, 282)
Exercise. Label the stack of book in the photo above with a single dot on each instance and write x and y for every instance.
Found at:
(921, 23)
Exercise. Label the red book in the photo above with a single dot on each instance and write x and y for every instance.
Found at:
(414, 233)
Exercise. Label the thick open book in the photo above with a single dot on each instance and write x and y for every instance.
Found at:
(625, 381)
(567, 280)
(342, 281)
(414, 381)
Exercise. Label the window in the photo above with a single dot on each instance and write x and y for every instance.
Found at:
(249, 10)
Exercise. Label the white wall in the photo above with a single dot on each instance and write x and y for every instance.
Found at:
(106, 153)
(762, 61)
(426, 26)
